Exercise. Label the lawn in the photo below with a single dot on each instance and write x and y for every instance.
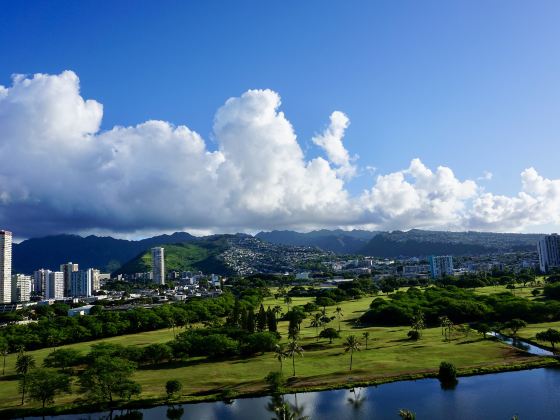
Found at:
(520, 291)
(531, 330)
(389, 354)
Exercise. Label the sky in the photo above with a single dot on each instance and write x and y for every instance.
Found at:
(136, 117)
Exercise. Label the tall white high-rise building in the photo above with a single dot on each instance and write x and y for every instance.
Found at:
(40, 279)
(68, 269)
(95, 280)
(441, 265)
(55, 285)
(21, 288)
(549, 252)
(82, 282)
(5, 266)
(158, 265)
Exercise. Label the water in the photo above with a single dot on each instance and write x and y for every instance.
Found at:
(530, 394)
(523, 345)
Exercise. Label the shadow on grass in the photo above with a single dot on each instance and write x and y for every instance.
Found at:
(317, 346)
(470, 341)
(400, 340)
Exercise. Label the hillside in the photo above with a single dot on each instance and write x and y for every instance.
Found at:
(202, 255)
(418, 242)
(337, 241)
(105, 253)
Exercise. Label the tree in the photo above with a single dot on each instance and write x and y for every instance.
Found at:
(275, 381)
(277, 311)
(54, 337)
(366, 337)
(447, 327)
(293, 332)
(251, 321)
(339, 315)
(157, 353)
(261, 319)
(44, 385)
(24, 364)
(351, 344)
(271, 320)
(293, 350)
(324, 302)
(280, 354)
(107, 377)
(62, 359)
(515, 325)
(172, 387)
(551, 335)
(288, 301)
(418, 323)
(483, 329)
(447, 374)
(329, 333)
(316, 323)
(4, 352)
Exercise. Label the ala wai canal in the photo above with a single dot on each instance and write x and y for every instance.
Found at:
(529, 394)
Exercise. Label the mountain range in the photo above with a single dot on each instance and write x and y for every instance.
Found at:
(187, 252)
(105, 253)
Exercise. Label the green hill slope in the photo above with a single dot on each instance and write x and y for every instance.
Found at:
(182, 257)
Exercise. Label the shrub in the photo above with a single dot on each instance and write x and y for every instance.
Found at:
(172, 387)
(259, 343)
(413, 335)
(329, 333)
(447, 374)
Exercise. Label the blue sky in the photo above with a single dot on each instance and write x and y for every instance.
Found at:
(468, 85)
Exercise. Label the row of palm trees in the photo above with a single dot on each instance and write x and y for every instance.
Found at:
(293, 349)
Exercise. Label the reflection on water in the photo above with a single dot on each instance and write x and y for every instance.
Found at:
(175, 413)
(530, 394)
(356, 399)
(283, 410)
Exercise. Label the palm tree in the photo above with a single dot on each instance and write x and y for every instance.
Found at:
(288, 301)
(293, 332)
(316, 322)
(293, 350)
(24, 364)
(280, 354)
(351, 345)
(277, 310)
(339, 315)
(366, 337)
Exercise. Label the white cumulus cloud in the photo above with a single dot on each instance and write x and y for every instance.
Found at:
(331, 142)
(61, 173)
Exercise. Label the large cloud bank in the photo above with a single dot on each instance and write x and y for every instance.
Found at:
(61, 173)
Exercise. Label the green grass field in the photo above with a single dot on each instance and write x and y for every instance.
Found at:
(531, 330)
(390, 354)
(524, 292)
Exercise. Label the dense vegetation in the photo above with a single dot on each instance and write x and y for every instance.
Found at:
(54, 327)
(459, 305)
